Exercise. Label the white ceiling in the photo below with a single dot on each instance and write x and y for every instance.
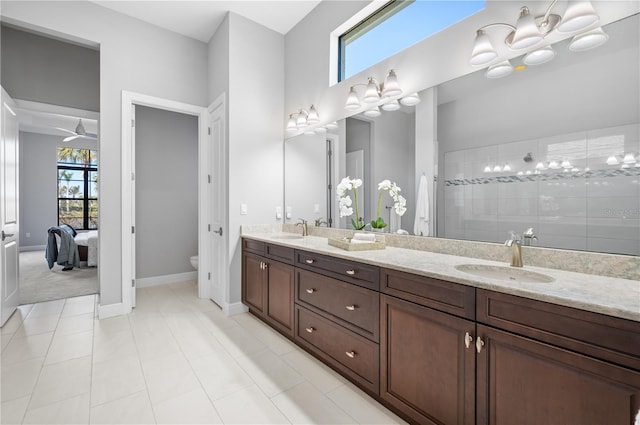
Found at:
(199, 19)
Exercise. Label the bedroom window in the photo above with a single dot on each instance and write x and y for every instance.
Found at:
(395, 26)
(78, 188)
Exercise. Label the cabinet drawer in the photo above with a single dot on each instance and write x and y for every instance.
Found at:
(597, 335)
(257, 247)
(353, 306)
(439, 294)
(280, 253)
(350, 271)
(352, 354)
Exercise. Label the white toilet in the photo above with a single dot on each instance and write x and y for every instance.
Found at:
(194, 261)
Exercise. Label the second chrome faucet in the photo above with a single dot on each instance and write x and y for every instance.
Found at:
(515, 242)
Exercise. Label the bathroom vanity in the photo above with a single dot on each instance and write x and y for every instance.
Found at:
(438, 345)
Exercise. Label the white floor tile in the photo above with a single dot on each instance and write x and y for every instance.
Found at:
(4, 340)
(82, 299)
(67, 347)
(271, 338)
(110, 346)
(168, 377)
(73, 410)
(238, 341)
(220, 375)
(112, 325)
(26, 348)
(19, 379)
(78, 307)
(47, 308)
(270, 372)
(197, 344)
(117, 378)
(60, 381)
(34, 325)
(321, 376)
(133, 409)
(361, 407)
(304, 404)
(16, 320)
(75, 324)
(12, 412)
(249, 406)
(152, 345)
(190, 408)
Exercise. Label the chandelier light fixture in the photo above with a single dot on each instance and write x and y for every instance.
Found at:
(302, 119)
(375, 93)
(529, 34)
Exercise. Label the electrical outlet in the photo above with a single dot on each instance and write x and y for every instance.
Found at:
(243, 209)
(278, 213)
(288, 213)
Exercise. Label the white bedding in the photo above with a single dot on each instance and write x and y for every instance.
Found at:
(90, 240)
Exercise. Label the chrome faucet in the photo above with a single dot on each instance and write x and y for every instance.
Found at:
(528, 236)
(303, 223)
(319, 222)
(516, 250)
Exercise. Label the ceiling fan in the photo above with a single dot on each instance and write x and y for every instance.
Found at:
(80, 132)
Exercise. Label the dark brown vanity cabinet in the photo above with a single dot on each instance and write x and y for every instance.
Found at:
(549, 364)
(337, 313)
(267, 283)
(427, 358)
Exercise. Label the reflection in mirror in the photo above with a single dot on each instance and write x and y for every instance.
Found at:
(582, 109)
(545, 149)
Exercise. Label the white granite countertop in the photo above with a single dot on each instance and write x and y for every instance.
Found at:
(599, 294)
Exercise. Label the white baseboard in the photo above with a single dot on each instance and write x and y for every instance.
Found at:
(234, 308)
(146, 282)
(33, 248)
(111, 310)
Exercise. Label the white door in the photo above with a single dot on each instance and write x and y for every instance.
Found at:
(218, 235)
(133, 206)
(355, 170)
(9, 209)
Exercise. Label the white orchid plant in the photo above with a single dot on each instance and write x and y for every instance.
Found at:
(399, 202)
(346, 187)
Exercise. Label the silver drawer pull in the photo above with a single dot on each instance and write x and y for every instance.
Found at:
(310, 290)
(351, 272)
(351, 354)
(479, 344)
(309, 261)
(310, 329)
(468, 339)
(351, 307)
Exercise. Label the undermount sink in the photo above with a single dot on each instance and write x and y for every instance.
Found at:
(287, 236)
(511, 274)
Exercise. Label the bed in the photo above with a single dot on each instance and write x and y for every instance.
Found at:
(87, 243)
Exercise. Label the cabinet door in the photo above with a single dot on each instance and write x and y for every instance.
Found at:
(280, 296)
(522, 381)
(426, 369)
(253, 282)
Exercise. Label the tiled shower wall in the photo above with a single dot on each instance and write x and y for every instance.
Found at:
(589, 205)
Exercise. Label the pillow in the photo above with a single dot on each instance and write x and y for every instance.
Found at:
(69, 229)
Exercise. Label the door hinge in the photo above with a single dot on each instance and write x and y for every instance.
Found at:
(133, 123)
(209, 131)
(133, 229)
(133, 283)
(209, 178)
(209, 276)
(208, 227)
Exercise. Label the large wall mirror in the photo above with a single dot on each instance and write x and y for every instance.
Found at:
(555, 147)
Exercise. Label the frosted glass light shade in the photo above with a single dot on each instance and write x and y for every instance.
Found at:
(588, 40)
(539, 56)
(301, 121)
(291, 124)
(353, 103)
(527, 33)
(313, 116)
(371, 93)
(483, 51)
(612, 160)
(411, 100)
(372, 113)
(391, 86)
(332, 125)
(579, 15)
(391, 106)
(629, 158)
(499, 70)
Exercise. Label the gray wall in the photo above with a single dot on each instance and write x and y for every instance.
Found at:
(45, 70)
(38, 185)
(166, 192)
(358, 137)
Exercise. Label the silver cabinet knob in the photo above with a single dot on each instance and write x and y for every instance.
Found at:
(351, 307)
(350, 272)
(479, 344)
(468, 339)
(309, 261)
(351, 354)
(310, 290)
(310, 329)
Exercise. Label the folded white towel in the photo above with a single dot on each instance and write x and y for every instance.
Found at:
(356, 241)
(365, 237)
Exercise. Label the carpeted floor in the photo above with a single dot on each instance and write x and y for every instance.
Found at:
(38, 283)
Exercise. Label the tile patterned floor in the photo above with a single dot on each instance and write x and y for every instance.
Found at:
(175, 360)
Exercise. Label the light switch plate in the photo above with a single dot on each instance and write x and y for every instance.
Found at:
(243, 209)
(288, 213)
(278, 213)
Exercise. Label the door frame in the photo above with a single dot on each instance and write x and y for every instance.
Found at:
(129, 99)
